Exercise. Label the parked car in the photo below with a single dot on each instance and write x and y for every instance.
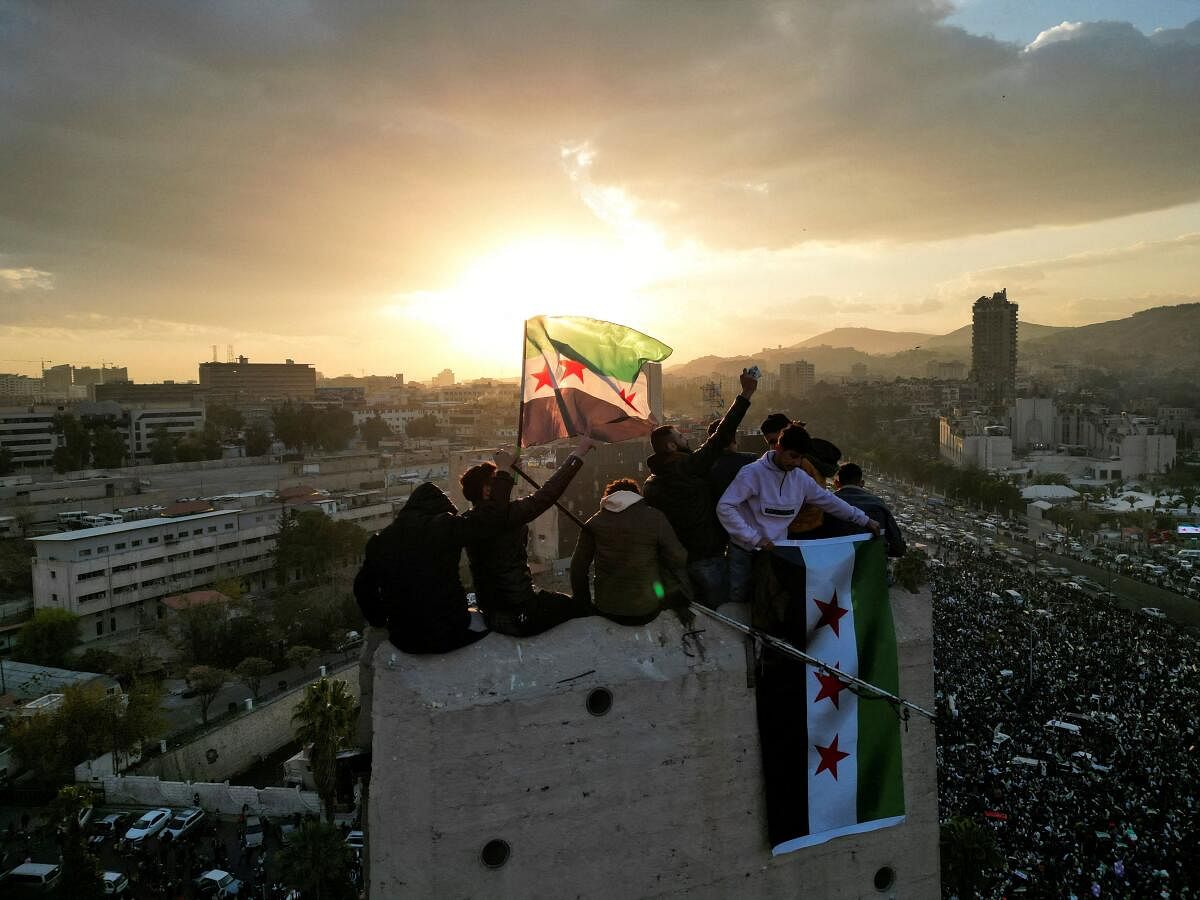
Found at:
(109, 826)
(85, 816)
(31, 876)
(354, 840)
(254, 831)
(151, 823)
(1153, 612)
(115, 884)
(217, 883)
(184, 822)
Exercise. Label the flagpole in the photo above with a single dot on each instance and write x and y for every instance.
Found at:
(521, 394)
(789, 650)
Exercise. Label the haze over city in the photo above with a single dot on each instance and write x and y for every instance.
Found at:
(396, 189)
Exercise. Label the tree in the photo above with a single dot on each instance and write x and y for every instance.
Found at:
(226, 419)
(201, 631)
(16, 575)
(251, 671)
(301, 656)
(292, 427)
(421, 427)
(333, 429)
(967, 851)
(207, 682)
(911, 571)
(325, 720)
(134, 721)
(7, 466)
(80, 878)
(373, 430)
(108, 447)
(258, 440)
(317, 863)
(48, 637)
(312, 543)
(162, 446)
(1188, 495)
(75, 450)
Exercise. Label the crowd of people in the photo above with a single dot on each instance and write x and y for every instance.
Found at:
(1069, 725)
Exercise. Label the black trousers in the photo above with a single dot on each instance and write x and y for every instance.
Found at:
(539, 612)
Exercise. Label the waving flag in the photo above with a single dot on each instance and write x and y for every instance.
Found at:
(586, 377)
(831, 759)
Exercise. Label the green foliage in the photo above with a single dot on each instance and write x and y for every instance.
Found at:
(7, 466)
(87, 724)
(258, 440)
(912, 570)
(311, 543)
(318, 616)
(80, 878)
(317, 863)
(373, 430)
(325, 721)
(76, 448)
(968, 851)
(48, 637)
(302, 426)
(226, 419)
(16, 575)
(1051, 478)
(201, 629)
(201, 444)
(162, 446)
(301, 656)
(251, 671)
(108, 447)
(207, 682)
(423, 427)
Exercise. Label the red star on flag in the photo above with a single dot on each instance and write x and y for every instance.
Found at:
(830, 757)
(572, 367)
(627, 398)
(544, 379)
(831, 613)
(831, 686)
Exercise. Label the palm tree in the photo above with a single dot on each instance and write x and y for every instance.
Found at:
(317, 863)
(325, 720)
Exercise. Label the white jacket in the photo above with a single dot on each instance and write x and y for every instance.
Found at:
(763, 500)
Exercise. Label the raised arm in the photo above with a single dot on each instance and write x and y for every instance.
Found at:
(706, 454)
(526, 509)
(833, 504)
(581, 564)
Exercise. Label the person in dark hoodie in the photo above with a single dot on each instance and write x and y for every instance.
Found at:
(409, 581)
(504, 589)
(739, 562)
(679, 488)
(849, 487)
(640, 564)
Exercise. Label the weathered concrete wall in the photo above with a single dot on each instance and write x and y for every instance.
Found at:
(226, 799)
(662, 796)
(238, 742)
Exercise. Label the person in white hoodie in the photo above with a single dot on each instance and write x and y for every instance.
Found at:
(763, 499)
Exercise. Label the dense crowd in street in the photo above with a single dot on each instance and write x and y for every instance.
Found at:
(1068, 724)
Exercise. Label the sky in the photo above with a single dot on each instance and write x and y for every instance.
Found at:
(395, 187)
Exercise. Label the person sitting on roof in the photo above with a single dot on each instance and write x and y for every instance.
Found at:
(504, 589)
(640, 564)
(409, 581)
(849, 487)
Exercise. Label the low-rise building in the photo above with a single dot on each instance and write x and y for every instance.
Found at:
(27, 432)
(114, 576)
(969, 443)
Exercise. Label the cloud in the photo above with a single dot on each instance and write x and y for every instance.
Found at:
(25, 278)
(920, 307)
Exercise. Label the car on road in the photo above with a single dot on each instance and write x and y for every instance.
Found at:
(151, 823)
(354, 840)
(216, 883)
(1153, 612)
(109, 826)
(33, 877)
(184, 822)
(115, 884)
(254, 832)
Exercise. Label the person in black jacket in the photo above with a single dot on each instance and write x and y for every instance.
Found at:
(504, 589)
(849, 486)
(409, 581)
(679, 488)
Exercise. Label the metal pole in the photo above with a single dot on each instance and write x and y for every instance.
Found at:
(789, 650)
(521, 395)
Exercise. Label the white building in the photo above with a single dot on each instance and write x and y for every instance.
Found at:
(28, 434)
(145, 420)
(970, 444)
(1032, 423)
(21, 386)
(113, 576)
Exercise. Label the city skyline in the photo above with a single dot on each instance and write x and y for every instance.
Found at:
(397, 190)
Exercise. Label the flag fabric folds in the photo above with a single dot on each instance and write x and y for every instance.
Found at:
(831, 758)
(586, 377)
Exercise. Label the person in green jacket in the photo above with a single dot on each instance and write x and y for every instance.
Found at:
(640, 563)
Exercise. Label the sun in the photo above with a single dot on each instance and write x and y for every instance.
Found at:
(481, 314)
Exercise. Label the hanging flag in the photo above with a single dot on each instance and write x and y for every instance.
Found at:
(831, 758)
(586, 377)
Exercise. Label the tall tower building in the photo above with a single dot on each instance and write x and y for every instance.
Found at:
(994, 346)
(796, 379)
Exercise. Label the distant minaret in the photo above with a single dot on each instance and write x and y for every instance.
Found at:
(994, 347)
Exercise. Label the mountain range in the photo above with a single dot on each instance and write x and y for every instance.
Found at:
(1165, 338)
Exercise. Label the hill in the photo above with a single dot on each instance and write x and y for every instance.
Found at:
(1162, 339)
(960, 338)
(866, 340)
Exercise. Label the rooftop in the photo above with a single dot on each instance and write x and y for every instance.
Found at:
(121, 527)
(30, 680)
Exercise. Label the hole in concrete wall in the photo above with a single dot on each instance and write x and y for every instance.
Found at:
(495, 853)
(599, 701)
(211, 754)
(885, 878)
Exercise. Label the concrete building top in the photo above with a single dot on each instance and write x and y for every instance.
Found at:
(121, 527)
(28, 680)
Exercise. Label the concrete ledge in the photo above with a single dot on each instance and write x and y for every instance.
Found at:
(660, 796)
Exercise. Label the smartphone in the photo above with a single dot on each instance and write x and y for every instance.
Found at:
(754, 372)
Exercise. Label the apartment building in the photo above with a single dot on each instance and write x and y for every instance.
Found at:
(28, 434)
(144, 421)
(247, 382)
(114, 576)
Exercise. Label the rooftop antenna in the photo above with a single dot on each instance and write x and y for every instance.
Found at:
(214, 346)
(229, 353)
